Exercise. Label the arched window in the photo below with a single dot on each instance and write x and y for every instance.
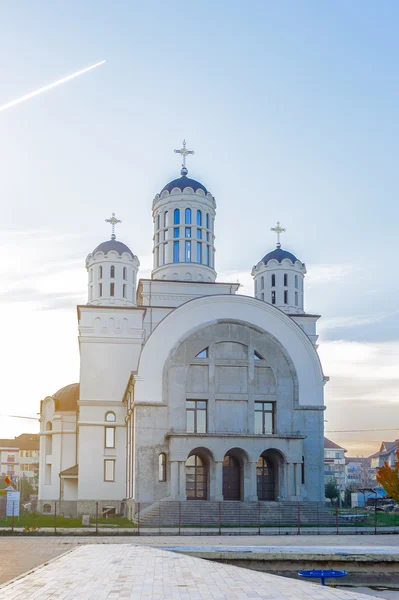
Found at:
(158, 221)
(296, 281)
(262, 282)
(207, 220)
(162, 467)
(165, 219)
(273, 280)
(203, 354)
(296, 298)
(196, 478)
(188, 216)
(199, 218)
(256, 287)
(110, 417)
(112, 272)
(176, 219)
(47, 508)
(285, 279)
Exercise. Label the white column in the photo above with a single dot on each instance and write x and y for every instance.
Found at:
(174, 479)
(298, 479)
(219, 481)
(182, 480)
(290, 481)
(252, 491)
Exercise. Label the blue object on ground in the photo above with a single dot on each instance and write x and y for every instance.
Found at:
(322, 574)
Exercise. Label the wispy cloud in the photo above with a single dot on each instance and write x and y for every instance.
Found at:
(356, 320)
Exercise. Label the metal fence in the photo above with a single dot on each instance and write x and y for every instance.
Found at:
(203, 518)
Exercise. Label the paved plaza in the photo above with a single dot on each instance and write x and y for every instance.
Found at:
(19, 555)
(127, 571)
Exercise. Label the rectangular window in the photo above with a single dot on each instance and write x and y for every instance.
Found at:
(285, 296)
(199, 234)
(110, 437)
(100, 289)
(176, 232)
(112, 289)
(109, 470)
(124, 273)
(285, 279)
(188, 232)
(124, 290)
(273, 297)
(296, 298)
(207, 256)
(199, 252)
(199, 218)
(264, 417)
(100, 272)
(188, 252)
(196, 416)
(207, 236)
(207, 220)
(176, 252)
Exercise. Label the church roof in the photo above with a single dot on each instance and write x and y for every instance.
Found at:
(279, 255)
(330, 445)
(114, 245)
(67, 397)
(184, 182)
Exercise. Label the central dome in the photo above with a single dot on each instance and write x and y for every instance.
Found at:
(182, 183)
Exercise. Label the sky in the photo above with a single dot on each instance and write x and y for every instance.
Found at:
(292, 110)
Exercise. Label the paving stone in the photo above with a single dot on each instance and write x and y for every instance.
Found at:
(121, 571)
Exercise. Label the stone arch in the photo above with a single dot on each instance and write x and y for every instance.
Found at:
(271, 475)
(198, 473)
(200, 312)
(235, 465)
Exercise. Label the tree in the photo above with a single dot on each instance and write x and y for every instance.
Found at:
(26, 489)
(388, 477)
(332, 490)
(348, 497)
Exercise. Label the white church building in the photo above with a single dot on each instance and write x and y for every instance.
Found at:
(188, 391)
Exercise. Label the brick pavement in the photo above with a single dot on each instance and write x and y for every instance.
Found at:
(21, 554)
(126, 571)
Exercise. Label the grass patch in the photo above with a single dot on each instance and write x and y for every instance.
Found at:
(36, 520)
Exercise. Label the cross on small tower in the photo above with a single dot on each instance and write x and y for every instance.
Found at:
(184, 152)
(278, 230)
(113, 221)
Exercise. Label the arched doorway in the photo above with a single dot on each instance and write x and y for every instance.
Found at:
(196, 478)
(231, 478)
(266, 478)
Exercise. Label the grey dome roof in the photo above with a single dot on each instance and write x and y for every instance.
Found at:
(182, 183)
(279, 254)
(109, 245)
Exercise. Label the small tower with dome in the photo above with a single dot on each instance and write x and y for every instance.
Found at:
(184, 240)
(112, 272)
(279, 277)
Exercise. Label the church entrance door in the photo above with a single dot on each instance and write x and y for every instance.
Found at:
(231, 478)
(265, 479)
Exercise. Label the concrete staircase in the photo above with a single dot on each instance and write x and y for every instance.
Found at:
(197, 513)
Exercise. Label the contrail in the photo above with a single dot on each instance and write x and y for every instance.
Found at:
(48, 87)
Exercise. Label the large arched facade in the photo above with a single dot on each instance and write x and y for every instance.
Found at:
(233, 387)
